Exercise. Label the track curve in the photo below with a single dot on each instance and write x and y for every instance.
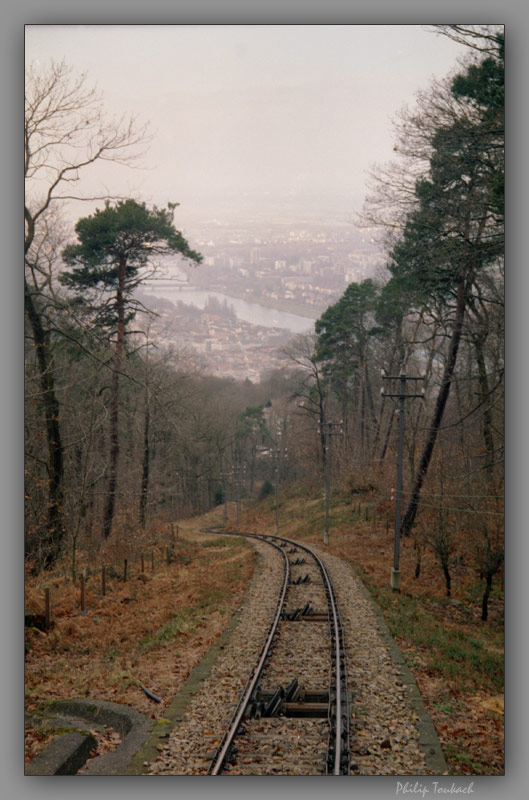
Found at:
(337, 760)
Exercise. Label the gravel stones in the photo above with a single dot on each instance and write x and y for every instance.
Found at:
(384, 733)
(384, 737)
(286, 747)
(192, 743)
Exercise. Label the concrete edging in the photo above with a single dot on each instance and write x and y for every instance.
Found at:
(64, 756)
(132, 726)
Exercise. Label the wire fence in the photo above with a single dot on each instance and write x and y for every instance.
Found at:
(116, 570)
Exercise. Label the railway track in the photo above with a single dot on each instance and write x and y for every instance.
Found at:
(294, 707)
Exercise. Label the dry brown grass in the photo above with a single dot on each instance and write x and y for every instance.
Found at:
(109, 652)
(150, 630)
(464, 703)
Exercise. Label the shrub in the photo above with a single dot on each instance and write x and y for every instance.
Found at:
(266, 489)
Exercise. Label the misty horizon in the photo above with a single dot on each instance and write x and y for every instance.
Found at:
(251, 119)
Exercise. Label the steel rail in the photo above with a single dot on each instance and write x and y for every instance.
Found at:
(229, 736)
(341, 700)
(341, 725)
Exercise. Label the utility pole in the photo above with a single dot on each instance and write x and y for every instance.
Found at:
(402, 396)
(328, 432)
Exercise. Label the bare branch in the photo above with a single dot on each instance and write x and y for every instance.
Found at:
(65, 132)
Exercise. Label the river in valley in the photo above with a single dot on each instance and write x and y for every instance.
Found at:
(253, 313)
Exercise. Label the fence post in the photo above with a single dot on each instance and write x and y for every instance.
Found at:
(125, 570)
(142, 564)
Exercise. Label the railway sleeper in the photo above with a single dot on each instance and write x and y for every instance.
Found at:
(316, 616)
(297, 613)
(291, 702)
(299, 580)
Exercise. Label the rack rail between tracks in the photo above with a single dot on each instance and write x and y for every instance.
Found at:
(338, 711)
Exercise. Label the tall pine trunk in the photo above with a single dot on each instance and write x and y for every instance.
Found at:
(110, 503)
(411, 510)
(487, 415)
(387, 436)
(146, 465)
(55, 531)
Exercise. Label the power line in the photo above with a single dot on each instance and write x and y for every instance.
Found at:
(480, 496)
(464, 510)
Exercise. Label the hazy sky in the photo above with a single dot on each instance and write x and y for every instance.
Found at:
(248, 110)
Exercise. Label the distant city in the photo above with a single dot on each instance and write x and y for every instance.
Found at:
(287, 272)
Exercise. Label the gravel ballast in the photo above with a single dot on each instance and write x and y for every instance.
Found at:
(390, 731)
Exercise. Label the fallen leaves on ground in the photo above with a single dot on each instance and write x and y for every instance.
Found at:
(113, 650)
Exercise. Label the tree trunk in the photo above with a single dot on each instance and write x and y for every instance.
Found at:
(399, 350)
(487, 416)
(370, 404)
(345, 399)
(440, 405)
(418, 560)
(486, 595)
(323, 442)
(110, 505)
(55, 524)
(362, 405)
(387, 436)
(448, 579)
(145, 467)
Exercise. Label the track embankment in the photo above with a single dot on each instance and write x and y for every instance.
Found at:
(390, 731)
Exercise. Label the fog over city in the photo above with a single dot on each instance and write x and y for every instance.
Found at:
(265, 136)
(243, 116)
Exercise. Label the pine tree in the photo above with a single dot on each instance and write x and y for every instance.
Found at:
(114, 246)
(343, 343)
(457, 228)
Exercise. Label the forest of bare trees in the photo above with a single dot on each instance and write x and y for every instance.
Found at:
(120, 433)
(436, 314)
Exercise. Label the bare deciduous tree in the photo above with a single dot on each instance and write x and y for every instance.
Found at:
(65, 132)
